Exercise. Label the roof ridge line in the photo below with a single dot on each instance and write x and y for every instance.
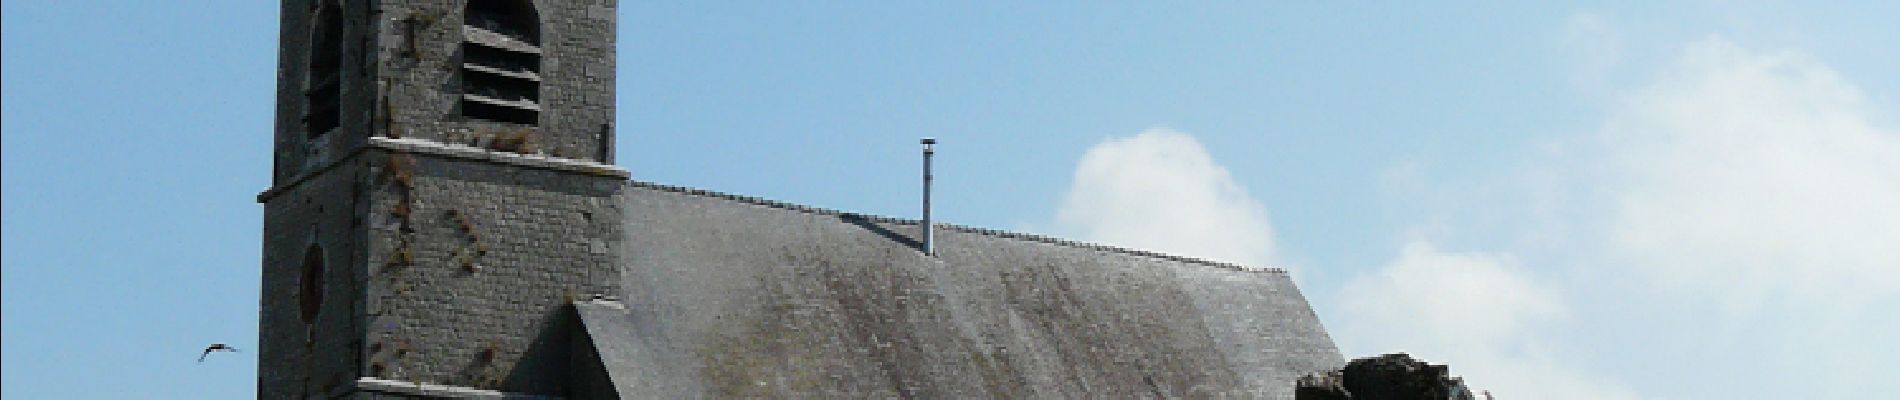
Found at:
(959, 228)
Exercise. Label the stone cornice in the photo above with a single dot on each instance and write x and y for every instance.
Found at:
(426, 390)
(429, 147)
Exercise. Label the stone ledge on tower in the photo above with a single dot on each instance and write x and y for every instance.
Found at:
(430, 147)
(373, 388)
(497, 156)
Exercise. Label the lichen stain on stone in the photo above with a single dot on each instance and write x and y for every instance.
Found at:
(999, 374)
(752, 356)
(822, 324)
(1107, 346)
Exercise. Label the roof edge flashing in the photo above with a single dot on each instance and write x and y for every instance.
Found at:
(759, 201)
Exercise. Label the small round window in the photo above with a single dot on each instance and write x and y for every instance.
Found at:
(310, 287)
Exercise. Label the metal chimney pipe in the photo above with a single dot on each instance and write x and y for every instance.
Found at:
(929, 236)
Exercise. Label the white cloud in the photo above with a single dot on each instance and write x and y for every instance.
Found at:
(1459, 298)
(1472, 311)
(1762, 186)
(1752, 178)
(1159, 190)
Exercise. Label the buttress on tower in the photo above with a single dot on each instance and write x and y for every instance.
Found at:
(442, 187)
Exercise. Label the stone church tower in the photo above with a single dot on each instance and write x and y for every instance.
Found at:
(441, 191)
(444, 221)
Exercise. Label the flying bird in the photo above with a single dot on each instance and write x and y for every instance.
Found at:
(215, 347)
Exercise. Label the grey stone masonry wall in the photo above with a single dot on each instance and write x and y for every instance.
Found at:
(296, 152)
(399, 78)
(419, 47)
(449, 252)
(472, 264)
(295, 357)
(443, 265)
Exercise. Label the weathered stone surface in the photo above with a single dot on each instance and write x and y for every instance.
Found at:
(1321, 386)
(321, 215)
(761, 299)
(446, 269)
(1387, 377)
(399, 66)
(472, 266)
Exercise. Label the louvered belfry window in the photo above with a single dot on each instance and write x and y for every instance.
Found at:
(501, 62)
(322, 94)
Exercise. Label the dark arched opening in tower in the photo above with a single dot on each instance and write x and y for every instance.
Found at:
(322, 93)
(501, 61)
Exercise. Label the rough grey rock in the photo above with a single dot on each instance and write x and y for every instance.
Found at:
(1329, 385)
(1388, 377)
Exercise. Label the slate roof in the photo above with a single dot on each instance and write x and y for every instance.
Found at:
(730, 296)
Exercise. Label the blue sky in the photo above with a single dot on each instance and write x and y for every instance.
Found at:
(1601, 200)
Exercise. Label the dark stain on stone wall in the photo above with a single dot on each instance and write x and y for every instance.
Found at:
(771, 301)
